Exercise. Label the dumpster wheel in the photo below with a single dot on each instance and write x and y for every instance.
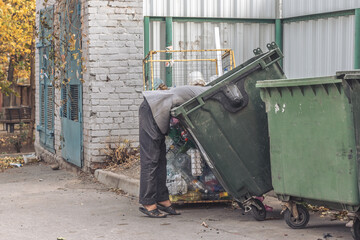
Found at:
(355, 230)
(258, 213)
(241, 205)
(301, 221)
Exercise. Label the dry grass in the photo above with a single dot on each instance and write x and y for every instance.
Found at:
(123, 154)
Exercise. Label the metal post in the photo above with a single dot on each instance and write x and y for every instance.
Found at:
(279, 35)
(146, 35)
(144, 81)
(233, 58)
(230, 57)
(152, 70)
(357, 40)
(146, 49)
(169, 55)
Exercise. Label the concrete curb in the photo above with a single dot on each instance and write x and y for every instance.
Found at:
(115, 180)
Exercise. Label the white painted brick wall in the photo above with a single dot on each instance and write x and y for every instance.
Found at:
(113, 53)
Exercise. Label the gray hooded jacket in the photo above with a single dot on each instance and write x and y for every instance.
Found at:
(162, 101)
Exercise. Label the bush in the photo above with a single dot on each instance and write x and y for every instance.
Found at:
(16, 139)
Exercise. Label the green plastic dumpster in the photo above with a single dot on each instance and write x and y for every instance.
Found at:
(314, 126)
(228, 123)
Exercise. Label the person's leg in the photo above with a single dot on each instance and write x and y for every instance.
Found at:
(149, 161)
(149, 157)
(162, 190)
(163, 200)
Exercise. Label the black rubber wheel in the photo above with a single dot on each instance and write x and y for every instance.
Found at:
(299, 223)
(355, 230)
(258, 214)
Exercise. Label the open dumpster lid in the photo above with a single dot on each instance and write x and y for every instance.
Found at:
(259, 62)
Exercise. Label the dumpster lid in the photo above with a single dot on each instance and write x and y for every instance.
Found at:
(297, 82)
(253, 64)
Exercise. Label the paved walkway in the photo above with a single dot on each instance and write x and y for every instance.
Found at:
(37, 203)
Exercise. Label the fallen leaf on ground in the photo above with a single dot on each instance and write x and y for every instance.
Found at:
(204, 224)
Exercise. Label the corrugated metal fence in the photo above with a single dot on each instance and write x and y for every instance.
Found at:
(241, 37)
(211, 8)
(293, 8)
(318, 47)
(318, 36)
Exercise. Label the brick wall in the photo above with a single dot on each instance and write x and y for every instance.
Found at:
(114, 62)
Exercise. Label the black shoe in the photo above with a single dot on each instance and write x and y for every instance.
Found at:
(170, 210)
(153, 213)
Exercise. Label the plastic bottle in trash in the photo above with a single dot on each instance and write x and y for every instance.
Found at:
(196, 184)
(184, 136)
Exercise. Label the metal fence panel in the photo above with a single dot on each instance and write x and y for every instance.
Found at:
(211, 8)
(293, 8)
(311, 48)
(318, 47)
(242, 38)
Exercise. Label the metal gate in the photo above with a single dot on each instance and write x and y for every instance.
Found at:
(71, 90)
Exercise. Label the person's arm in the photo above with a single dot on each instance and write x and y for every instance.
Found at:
(185, 93)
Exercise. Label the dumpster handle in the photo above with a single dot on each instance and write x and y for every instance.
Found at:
(197, 100)
(201, 103)
(233, 105)
(274, 57)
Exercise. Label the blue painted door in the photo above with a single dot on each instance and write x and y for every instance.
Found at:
(46, 88)
(71, 92)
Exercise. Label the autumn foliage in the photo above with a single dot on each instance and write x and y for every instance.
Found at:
(17, 36)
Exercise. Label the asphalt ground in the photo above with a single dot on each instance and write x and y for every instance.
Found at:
(37, 202)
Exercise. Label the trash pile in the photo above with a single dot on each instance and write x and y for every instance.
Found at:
(324, 211)
(10, 162)
(16, 161)
(189, 178)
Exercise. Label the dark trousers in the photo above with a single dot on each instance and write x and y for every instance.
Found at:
(152, 159)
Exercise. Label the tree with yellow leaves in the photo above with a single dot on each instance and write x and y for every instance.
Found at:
(17, 36)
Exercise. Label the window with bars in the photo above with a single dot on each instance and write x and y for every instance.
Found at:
(46, 90)
(74, 103)
(70, 102)
(50, 109)
(42, 108)
(64, 101)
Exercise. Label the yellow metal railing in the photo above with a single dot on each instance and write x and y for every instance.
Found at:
(177, 56)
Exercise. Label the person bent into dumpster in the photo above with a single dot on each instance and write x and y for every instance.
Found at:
(154, 121)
